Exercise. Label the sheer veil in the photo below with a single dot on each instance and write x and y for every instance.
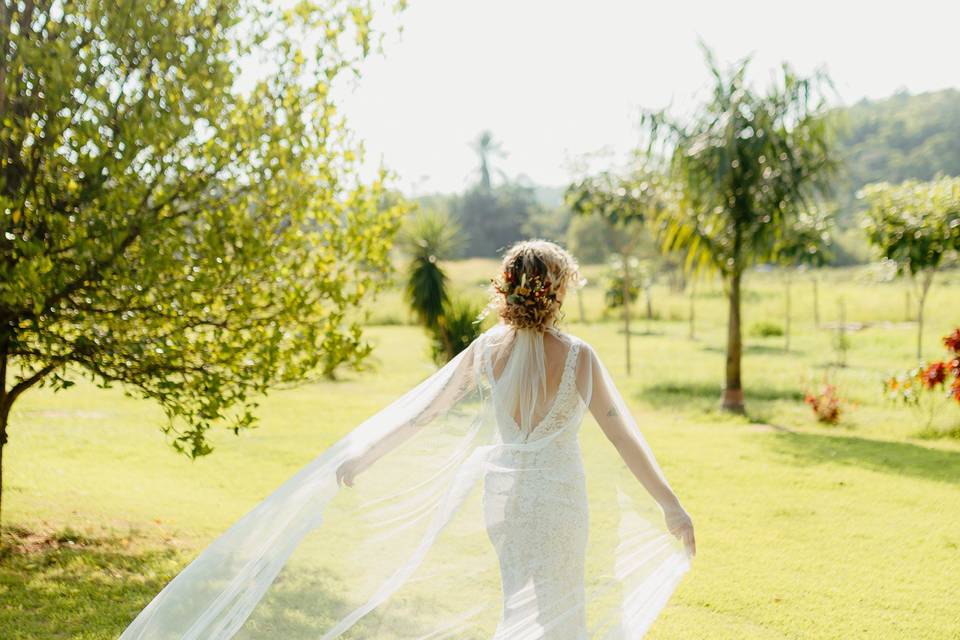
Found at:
(406, 552)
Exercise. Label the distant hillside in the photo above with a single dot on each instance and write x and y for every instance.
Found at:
(900, 137)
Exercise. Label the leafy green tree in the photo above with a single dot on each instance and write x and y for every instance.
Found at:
(493, 219)
(624, 201)
(173, 230)
(807, 244)
(916, 225)
(747, 163)
(902, 137)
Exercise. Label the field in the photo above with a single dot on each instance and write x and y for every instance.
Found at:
(804, 531)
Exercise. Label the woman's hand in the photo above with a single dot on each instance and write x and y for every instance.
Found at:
(680, 525)
(348, 471)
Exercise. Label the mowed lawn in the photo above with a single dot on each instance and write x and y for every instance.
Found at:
(804, 531)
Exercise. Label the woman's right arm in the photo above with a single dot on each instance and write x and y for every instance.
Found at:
(461, 380)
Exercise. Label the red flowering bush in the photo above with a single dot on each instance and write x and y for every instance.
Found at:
(939, 375)
(952, 341)
(825, 404)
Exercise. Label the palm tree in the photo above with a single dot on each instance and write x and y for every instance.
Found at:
(486, 148)
(746, 165)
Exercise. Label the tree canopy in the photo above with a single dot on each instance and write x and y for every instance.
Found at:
(916, 225)
(747, 165)
(171, 224)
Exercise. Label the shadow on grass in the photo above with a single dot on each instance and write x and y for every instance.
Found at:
(902, 458)
(703, 395)
(759, 349)
(69, 585)
(66, 585)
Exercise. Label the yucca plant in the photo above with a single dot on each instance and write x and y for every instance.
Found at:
(429, 237)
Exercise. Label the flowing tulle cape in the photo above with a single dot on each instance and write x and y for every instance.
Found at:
(405, 552)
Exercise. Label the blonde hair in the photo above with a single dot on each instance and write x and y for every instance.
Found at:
(533, 272)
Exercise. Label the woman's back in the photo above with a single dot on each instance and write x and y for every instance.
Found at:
(534, 379)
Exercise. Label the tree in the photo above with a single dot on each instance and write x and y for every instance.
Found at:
(428, 237)
(624, 201)
(493, 219)
(806, 244)
(166, 229)
(916, 225)
(746, 165)
(486, 148)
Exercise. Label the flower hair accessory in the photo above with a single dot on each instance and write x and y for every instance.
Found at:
(528, 291)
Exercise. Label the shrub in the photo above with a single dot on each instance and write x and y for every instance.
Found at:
(766, 329)
(825, 403)
(927, 385)
(456, 328)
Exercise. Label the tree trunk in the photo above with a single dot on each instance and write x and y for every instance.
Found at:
(816, 302)
(649, 296)
(626, 307)
(786, 323)
(4, 413)
(693, 310)
(733, 391)
(921, 301)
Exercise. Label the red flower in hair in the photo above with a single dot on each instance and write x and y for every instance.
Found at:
(955, 390)
(952, 341)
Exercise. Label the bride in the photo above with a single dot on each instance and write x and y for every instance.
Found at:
(473, 510)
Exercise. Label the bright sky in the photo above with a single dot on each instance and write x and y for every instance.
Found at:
(557, 79)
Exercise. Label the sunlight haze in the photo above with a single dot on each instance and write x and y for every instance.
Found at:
(556, 80)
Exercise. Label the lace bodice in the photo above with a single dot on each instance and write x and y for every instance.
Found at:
(566, 408)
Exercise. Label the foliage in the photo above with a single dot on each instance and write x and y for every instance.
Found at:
(826, 403)
(915, 225)
(431, 236)
(620, 199)
(899, 138)
(459, 325)
(493, 219)
(747, 166)
(590, 239)
(938, 378)
(428, 236)
(766, 329)
(614, 286)
(166, 229)
(624, 201)
(807, 242)
(486, 148)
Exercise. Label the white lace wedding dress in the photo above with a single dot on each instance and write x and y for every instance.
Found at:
(471, 518)
(537, 515)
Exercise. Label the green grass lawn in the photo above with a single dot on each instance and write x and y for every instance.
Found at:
(804, 531)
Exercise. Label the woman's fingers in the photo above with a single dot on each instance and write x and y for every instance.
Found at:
(690, 541)
(344, 476)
